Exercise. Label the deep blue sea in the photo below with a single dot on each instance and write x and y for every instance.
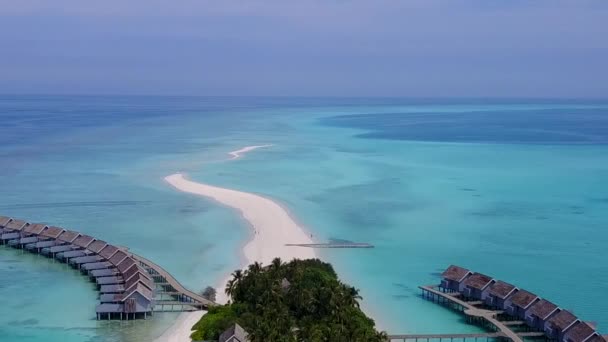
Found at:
(517, 189)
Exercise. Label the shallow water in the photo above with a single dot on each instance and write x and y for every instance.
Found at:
(429, 183)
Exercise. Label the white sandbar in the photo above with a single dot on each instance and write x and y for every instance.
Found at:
(272, 225)
(239, 153)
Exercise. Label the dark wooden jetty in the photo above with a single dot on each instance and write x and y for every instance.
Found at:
(332, 245)
(130, 285)
(506, 311)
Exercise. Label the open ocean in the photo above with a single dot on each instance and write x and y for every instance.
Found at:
(517, 189)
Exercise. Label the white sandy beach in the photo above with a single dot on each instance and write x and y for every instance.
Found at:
(181, 330)
(272, 228)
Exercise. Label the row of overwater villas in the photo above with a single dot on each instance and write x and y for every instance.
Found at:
(539, 314)
(125, 286)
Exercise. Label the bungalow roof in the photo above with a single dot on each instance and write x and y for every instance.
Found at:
(478, 281)
(580, 332)
(35, 228)
(562, 320)
(52, 232)
(523, 298)
(108, 251)
(16, 225)
(68, 236)
(502, 290)
(543, 309)
(97, 245)
(138, 287)
(597, 338)
(455, 273)
(83, 241)
(4, 220)
(118, 258)
(138, 277)
(125, 264)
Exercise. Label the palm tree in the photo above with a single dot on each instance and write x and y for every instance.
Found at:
(255, 268)
(276, 264)
(353, 296)
(232, 284)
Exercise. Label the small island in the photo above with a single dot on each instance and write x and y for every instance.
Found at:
(302, 300)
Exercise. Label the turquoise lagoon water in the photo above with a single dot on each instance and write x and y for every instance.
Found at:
(516, 189)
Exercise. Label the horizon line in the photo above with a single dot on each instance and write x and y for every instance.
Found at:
(479, 97)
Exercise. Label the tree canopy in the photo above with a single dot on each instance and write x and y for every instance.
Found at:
(302, 300)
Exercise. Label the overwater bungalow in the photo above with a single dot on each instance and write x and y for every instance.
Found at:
(581, 332)
(521, 303)
(125, 264)
(68, 236)
(3, 221)
(135, 300)
(559, 324)
(83, 241)
(63, 243)
(453, 278)
(96, 246)
(12, 230)
(118, 258)
(499, 294)
(48, 238)
(34, 230)
(539, 314)
(477, 286)
(108, 252)
(30, 234)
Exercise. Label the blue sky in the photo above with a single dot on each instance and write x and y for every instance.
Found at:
(405, 48)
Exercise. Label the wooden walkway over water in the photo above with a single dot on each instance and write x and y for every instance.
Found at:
(188, 300)
(487, 318)
(129, 285)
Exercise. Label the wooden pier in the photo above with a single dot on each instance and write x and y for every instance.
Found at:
(504, 308)
(482, 317)
(170, 286)
(130, 285)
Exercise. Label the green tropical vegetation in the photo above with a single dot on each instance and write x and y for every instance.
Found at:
(302, 300)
